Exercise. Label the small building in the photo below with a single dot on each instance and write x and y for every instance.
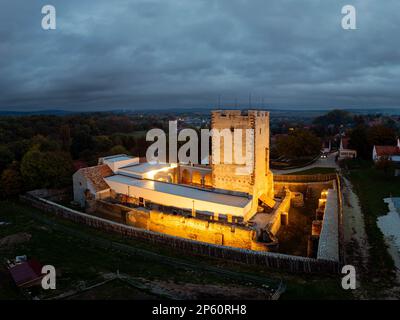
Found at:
(326, 146)
(89, 183)
(344, 150)
(386, 152)
(391, 153)
(174, 195)
(26, 274)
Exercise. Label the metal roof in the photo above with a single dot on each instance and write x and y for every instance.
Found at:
(145, 167)
(182, 191)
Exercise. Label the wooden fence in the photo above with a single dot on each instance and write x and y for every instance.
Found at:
(305, 178)
(267, 259)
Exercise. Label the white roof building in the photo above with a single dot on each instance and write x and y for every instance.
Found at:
(181, 196)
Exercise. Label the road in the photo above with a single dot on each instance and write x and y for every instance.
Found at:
(328, 162)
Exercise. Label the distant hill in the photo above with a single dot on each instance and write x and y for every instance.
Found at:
(33, 113)
(275, 111)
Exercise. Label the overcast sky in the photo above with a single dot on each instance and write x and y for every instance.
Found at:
(138, 54)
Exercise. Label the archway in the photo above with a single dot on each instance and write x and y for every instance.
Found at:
(186, 178)
(207, 180)
(196, 178)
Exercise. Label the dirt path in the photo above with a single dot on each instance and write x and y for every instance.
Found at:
(355, 238)
(357, 246)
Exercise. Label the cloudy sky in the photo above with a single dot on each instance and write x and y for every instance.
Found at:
(138, 54)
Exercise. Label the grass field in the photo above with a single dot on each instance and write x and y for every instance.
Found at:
(372, 186)
(60, 243)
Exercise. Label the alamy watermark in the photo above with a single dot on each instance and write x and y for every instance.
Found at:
(49, 277)
(349, 280)
(49, 20)
(348, 22)
(237, 146)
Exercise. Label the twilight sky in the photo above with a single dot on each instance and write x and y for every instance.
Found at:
(138, 54)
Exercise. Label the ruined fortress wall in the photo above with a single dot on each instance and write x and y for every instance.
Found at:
(195, 229)
(283, 207)
(328, 246)
(259, 258)
(186, 227)
(314, 187)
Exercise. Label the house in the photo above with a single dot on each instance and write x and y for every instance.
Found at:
(326, 146)
(391, 153)
(89, 182)
(27, 273)
(386, 152)
(344, 150)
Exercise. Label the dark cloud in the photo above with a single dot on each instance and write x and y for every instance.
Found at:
(179, 53)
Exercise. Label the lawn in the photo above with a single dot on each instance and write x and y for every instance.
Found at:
(372, 186)
(78, 259)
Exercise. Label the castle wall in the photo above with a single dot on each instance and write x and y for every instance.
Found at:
(259, 180)
(195, 229)
(283, 208)
(224, 174)
(187, 246)
(305, 188)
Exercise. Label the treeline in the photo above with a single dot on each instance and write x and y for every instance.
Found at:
(298, 141)
(363, 138)
(44, 151)
(342, 121)
(297, 144)
(363, 131)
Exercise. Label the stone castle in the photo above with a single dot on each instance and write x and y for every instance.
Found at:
(219, 203)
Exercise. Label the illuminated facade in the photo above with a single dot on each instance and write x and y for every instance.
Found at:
(220, 193)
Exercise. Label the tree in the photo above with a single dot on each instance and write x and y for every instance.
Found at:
(11, 181)
(384, 164)
(81, 140)
(44, 143)
(363, 139)
(103, 143)
(19, 148)
(50, 169)
(381, 135)
(299, 144)
(118, 150)
(6, 157)
(65, 136)
(359, 141)
(334, 117)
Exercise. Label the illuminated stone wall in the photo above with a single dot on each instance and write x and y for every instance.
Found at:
(282, 208)
(259, 181)
(196, 229)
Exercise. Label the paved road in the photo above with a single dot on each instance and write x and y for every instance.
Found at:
(328, 162)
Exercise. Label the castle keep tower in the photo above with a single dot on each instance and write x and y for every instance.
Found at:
(258, 180)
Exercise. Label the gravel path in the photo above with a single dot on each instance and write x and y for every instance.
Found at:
(355, 238)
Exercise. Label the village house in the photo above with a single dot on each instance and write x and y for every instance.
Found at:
(344, 150)
(391, 153)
